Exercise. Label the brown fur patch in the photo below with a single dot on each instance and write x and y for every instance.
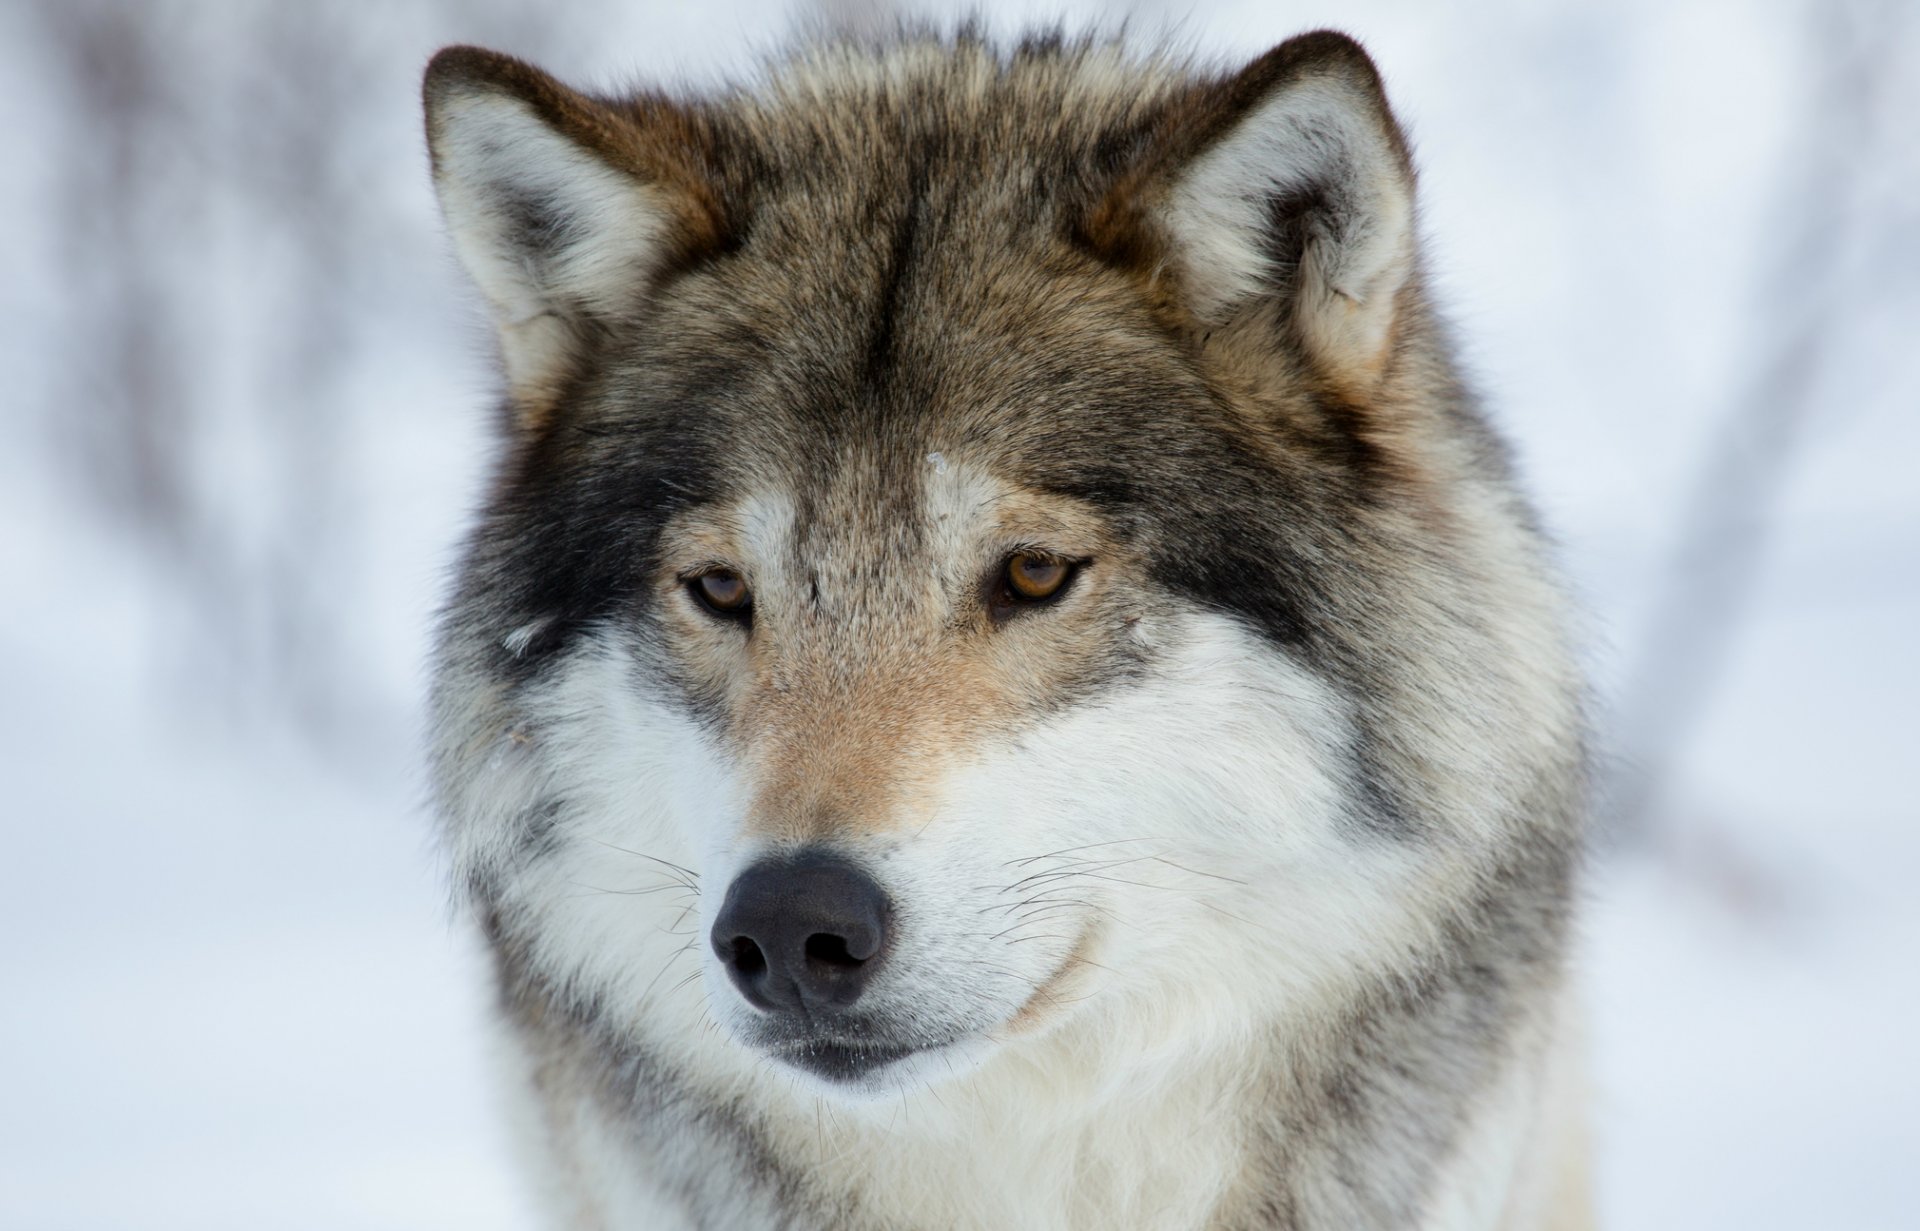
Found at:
(851, 705)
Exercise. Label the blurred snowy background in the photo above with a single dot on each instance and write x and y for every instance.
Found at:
(246, 412)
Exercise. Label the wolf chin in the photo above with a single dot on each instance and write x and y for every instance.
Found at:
(1002, 680)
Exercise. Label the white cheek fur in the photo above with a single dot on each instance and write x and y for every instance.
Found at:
(611, 903)
(1185, 827)
(1197, 815)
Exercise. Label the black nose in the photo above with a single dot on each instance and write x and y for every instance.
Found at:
(802, 934)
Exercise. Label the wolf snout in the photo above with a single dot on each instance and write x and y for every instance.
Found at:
(802, 934)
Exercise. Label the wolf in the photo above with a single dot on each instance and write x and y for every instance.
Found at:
(1003, 679)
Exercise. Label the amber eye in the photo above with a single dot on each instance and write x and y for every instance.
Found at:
(1028, 578)
(1034, 578)
(722, 591)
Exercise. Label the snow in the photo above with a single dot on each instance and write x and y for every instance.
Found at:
(233, 996)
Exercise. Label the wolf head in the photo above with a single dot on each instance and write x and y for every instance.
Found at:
(990, 547)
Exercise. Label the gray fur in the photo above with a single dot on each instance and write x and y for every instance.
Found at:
(937, 245)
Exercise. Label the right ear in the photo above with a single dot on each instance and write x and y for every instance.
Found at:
(1287, 184)
(562, 208)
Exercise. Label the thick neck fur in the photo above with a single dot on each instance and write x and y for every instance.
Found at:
(1429, 1102)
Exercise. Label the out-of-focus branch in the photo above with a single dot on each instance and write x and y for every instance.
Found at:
(130, 396)
(231, 264)
(1810, 288)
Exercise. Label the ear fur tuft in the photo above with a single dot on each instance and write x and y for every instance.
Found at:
(1290, 182)
(561, 207)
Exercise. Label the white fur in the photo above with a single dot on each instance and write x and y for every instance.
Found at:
(1520, 1163)
(1114, 1111)
(1319, 131)
(517, 641)
(1221, 896)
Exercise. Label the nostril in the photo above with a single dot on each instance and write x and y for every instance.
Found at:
(831, 950)
(802, 935)
(747, 958)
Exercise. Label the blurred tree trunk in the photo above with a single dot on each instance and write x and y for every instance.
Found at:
(231, 265)
(1816, 278)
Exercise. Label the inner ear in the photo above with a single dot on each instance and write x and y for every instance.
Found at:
(562, 208)
(1289, 185)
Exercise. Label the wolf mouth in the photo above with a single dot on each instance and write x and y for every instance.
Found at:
(846, 1061)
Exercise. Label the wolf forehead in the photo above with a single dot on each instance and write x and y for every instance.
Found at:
(1091, 275)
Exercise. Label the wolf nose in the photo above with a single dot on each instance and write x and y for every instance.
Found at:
(802, 934)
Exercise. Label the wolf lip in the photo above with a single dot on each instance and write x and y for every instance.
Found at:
(837, 1060)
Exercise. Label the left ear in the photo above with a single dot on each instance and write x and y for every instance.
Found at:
(561, 206)
(1294, 185)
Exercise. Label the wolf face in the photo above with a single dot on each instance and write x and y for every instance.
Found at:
(990, 548)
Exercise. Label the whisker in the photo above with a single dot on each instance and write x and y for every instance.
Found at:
(671, 959)
(1068, 850)
(633, 892)
(1229, 914)
(665, 863)
(1195, 871)
(1081, 867)
(1121, 880)
(1042, 910)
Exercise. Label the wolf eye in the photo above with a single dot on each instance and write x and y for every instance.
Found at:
(723, 592)
(1029, 578)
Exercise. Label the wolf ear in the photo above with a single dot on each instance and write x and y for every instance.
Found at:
(1292, 183)
(561, 207)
